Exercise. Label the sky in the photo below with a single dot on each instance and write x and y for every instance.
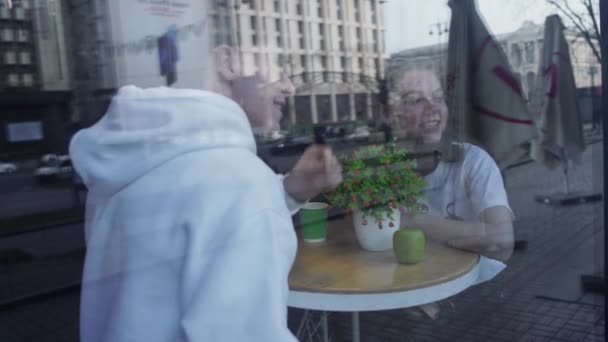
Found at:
(408, 22)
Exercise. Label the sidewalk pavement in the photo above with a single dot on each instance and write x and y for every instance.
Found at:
(508, 308)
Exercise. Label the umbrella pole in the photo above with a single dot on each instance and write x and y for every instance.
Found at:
(565, 168)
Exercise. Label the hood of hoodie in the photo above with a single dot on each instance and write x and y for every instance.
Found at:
(144, 128)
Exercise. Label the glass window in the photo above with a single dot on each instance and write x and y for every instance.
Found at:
(267, 77)
(516, 57)
(25, 57)
(8, 35)
(12, 79)
(530, 52)
(28, 80)
(10, 57)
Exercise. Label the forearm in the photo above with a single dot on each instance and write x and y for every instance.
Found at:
(493, 240)
(293, 204)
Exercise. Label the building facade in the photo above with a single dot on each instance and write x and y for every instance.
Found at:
(332, 50)
(523, 49)
(35, 78)
(33, 46)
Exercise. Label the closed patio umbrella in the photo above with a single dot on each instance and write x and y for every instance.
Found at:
(555, 108)
(484, 98)
(557, 114)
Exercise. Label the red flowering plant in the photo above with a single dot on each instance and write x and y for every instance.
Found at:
(378, 179)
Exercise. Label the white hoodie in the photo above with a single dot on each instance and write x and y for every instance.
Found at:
(187, 231)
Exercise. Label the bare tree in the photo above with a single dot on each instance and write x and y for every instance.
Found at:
(584, 21)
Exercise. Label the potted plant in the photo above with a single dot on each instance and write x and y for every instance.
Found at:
(379, 183)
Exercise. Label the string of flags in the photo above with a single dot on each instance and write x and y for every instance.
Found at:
(148, 44)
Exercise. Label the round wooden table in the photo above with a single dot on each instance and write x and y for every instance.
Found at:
(337, 275)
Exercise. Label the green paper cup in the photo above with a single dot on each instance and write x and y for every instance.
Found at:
(313, 218)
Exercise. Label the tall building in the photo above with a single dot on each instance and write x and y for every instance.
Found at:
(523, 49)
(333, 51)
(35, 78)
(33, 49)
(17, 49)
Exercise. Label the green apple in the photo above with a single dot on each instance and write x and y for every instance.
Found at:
(408, 245)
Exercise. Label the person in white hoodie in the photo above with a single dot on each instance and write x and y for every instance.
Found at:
(188, 233)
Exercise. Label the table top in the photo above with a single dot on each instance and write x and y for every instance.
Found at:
(339, 267)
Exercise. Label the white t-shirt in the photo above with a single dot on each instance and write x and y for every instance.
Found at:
(463, 190)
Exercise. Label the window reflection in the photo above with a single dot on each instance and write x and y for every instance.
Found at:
(62, 61)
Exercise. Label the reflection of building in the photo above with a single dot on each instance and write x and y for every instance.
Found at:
(332, 49)
(34, 77)
(523, 48)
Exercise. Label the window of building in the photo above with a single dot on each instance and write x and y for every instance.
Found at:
(302, 45)
(373, 11)
(254, 23)
(25, 58)
(12, 80)
(254, 39)
(322, 29)
(319, 9)
(299, 7)
(277, 25)
(341, 32)
(277, 6)
(251, 3)
(19, 12)
(339, 10)
(303, 61)
(8, 35)
(23, 35)
(324, 108)
(10, 57)
(300, 27)
(343, 63)
(343, 107)
(516, 58)
(357, 9)
(324, 62)
(530, 52)
(303, 109)
(361, 107)
(28, 80)
(5, 13)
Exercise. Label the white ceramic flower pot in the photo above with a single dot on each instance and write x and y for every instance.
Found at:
(370, 236)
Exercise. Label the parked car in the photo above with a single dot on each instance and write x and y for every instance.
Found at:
(6, 168)
(291, 145)
(61, 170)
(360, 133)
(53, 159)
